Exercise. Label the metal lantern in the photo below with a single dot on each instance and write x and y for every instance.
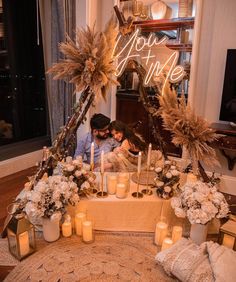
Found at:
(21, 236)
(227, 235)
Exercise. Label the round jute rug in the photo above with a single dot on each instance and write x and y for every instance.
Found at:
(110, 257)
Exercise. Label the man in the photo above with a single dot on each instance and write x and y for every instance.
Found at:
(99, 134)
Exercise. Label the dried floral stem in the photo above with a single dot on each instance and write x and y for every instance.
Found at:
(187, 128)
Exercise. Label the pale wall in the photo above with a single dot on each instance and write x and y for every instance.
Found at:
(217, 34)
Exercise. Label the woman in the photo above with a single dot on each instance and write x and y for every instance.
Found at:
(129, 140)
(125, 157)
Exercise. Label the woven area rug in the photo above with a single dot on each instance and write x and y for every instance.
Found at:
(111, 257)
(6, 259)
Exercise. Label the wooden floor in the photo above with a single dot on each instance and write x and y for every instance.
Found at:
(10, 186)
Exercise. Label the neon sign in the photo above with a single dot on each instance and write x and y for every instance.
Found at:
(152, 53)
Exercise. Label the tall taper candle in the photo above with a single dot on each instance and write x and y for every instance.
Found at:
(92, 154)
(139, 161)
(149, 155)
(102, 162)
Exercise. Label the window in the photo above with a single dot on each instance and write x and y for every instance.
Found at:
(23, 108)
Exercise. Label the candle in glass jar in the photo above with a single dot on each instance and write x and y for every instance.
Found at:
(149, 155)
(120, 190)
(92, 154)
(111, 184)
(123, 178)
(139, 161)
(87, 231)
(24, 244)
(79, 219)
(177, 233)
(102, 162)
(160, 232)
(166, 244)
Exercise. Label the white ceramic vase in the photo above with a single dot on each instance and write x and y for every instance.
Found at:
(198, 233)
(51, 229)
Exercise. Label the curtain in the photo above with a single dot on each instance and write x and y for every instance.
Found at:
(57, 18)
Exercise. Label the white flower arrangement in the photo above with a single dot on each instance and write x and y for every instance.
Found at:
(49, 197)
(78, 172)
(167, 178)
(199, 202)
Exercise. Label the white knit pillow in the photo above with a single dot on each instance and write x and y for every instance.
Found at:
(223, 262)
(186, 261)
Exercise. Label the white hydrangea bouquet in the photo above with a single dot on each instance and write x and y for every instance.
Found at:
(78, 172)
(199, 202)
(166, 180)
(48, 198)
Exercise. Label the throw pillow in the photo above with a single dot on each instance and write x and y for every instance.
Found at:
(223, 262)
(186, 261)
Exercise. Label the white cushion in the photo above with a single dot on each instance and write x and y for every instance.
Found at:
(186, 261)
(223, 262)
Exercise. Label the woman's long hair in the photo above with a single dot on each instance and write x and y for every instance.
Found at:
(128, 134)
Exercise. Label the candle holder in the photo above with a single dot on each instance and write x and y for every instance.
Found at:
(102, 193)
(21, 236)
(147, 191)
(137, 194)
(92, 167)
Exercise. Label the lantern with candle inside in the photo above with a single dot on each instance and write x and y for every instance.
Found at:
(21, 236)
(67, 226)
(227, 236)
(87, 232)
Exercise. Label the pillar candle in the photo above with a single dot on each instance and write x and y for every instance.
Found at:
(111, 184)
(120, 190)
(167, 243)
(67, 227)
(102, 162)
(87, 231)
(177, 233)
(139, 161)
(149, 155)
(79, 219)
(92, 154)
(228, 241)
(24, 243)
(160, 232)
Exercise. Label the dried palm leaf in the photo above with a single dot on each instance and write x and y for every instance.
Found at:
(88, 61)
(187, 128)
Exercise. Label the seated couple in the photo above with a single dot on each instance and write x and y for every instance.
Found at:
(121, 150)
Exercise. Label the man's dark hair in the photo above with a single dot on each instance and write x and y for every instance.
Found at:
(99, 121)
